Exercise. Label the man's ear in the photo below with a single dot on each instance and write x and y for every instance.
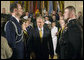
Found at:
(73, 12)
(43, 23)
(70, 13)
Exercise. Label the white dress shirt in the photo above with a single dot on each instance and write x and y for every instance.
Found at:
(16, 18)
(54, 30)
(25, 17)
(47, 22)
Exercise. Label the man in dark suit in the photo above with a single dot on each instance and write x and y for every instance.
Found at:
(14, 32)
(70, 42)
(40, 41)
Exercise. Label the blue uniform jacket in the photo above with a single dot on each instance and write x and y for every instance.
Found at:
(18, 49)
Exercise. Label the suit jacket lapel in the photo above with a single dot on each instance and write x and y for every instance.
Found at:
(43, 32)
(37, 32)
(38, 35)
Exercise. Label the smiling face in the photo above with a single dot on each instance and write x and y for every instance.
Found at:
(62, 23)
(53, 24)
(3, 10)
(53, 12)
(46, 13)
(54, 17)
(46, 18)
(40, 22)
(27, 13)
(60, 13)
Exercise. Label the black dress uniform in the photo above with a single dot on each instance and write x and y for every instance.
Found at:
(70, 41)
(14, 37)
(74, 37)
(62, 44)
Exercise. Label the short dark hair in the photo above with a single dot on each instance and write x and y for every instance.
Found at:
(79, 12)
(13, 6)
(54, 22)
(71, 8)
(54, 15)
(3, 8)
(60, 11)
(47, 16)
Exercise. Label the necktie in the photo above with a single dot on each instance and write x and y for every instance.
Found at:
(25, 32)
(40, 32)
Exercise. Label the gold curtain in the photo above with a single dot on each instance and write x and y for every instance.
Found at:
(54, 5)
(25, 5)
(19, 2)
(28, 6)
(62, 6)
(47, 5)
(12, 2)
(43, 5)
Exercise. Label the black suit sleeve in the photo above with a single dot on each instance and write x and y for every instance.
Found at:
(51, 50)
(30, 42)
(75, 40)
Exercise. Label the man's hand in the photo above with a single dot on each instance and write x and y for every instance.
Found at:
(51, 56)
(57, 33)
(33, 56)
(23, 26)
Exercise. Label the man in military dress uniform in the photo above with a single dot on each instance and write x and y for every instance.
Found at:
(14, 32)
(70, 42)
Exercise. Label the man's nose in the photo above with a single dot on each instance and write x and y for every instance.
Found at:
(23, 10)
(63, 14)
(40, 23)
